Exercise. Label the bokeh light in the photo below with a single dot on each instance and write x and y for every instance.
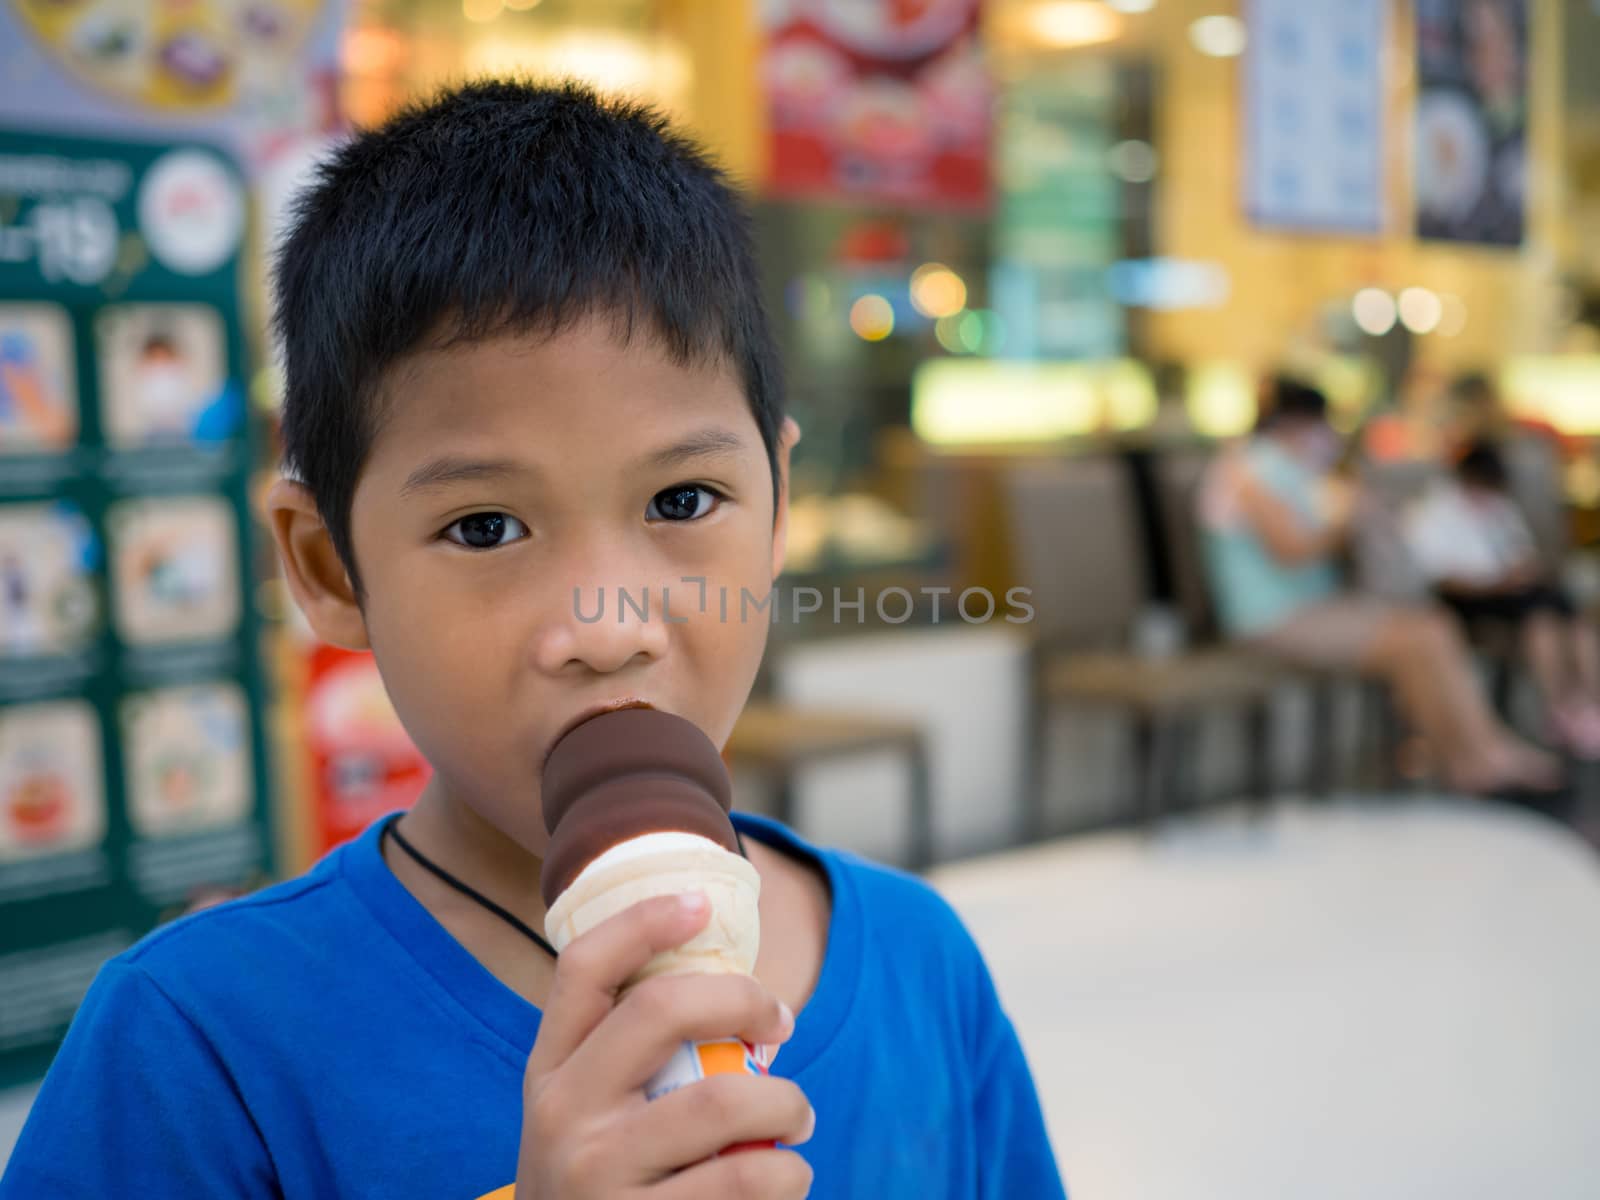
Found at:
(1219, 36)
(872, 317)
(981, 331)
(1374, 310)
(1066, 23)
(1420, 310)
(1133, 160)
(947, 330)
(937, 291)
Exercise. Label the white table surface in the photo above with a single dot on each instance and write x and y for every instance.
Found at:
(1391, 999)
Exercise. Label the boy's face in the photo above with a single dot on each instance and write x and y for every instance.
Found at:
(510, 474)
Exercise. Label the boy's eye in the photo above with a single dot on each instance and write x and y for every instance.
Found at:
(486, 530)
(684, 502)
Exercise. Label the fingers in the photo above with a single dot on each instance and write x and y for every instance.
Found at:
(749, 1174)
(594, 967)
(644, 1031)
(705, 1118)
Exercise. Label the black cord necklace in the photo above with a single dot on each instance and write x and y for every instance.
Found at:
(466, 889)
(391, 829)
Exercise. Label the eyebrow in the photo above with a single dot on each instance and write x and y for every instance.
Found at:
(442, 472)
(706, 443)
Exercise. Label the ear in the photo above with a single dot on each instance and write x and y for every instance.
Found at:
(788, 436)
(317, 579)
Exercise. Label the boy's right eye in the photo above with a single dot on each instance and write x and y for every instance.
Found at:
(486, 530)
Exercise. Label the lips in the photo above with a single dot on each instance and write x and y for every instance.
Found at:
(593, 710)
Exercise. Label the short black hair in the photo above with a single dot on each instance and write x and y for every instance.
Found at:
(1482, 465)
(495, 207)
(1291, 399)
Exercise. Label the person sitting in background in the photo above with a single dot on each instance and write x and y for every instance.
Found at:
(1471, 541)
(1275, 517)
(1478, 413)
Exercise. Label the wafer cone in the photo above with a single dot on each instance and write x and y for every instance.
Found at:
(664, 864)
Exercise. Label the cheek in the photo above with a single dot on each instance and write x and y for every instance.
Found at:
(726, 651)
(449, 673)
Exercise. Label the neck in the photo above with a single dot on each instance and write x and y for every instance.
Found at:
(460, 841)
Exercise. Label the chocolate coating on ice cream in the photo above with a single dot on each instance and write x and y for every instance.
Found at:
(626, 773)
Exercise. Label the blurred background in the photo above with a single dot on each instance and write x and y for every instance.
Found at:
(1195, 558)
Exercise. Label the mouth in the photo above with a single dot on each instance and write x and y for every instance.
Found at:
(594, 710)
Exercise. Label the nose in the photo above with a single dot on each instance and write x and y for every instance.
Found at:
(604, 629)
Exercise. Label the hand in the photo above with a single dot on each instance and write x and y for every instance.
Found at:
(588, 1131)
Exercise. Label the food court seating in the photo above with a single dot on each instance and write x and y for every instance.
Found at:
(1075, 544)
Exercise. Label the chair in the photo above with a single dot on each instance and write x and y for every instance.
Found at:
(779, 739)
(1075, 541)
(1535, 470)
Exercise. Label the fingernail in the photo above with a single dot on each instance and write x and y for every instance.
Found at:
(693, 903)
(787, 1014)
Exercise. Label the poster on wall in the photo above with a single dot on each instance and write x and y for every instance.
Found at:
(254, 75)
(258, 77)
(878, 100)
(194, 56)
(1472, 120)
(1314, 95)
(131, 746)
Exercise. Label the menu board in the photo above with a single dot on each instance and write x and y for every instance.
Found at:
(1314, 115)
(131, 748)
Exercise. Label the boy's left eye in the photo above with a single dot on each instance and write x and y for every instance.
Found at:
(486, 530)
(683, 502)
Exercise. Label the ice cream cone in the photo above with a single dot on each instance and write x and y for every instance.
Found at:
(664, 864)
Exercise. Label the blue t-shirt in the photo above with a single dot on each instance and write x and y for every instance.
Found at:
(328, 1037)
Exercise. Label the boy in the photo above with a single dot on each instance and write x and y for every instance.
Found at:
(527, 366)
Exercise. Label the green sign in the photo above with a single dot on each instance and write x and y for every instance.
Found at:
(132, 756)
(1058, 228)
